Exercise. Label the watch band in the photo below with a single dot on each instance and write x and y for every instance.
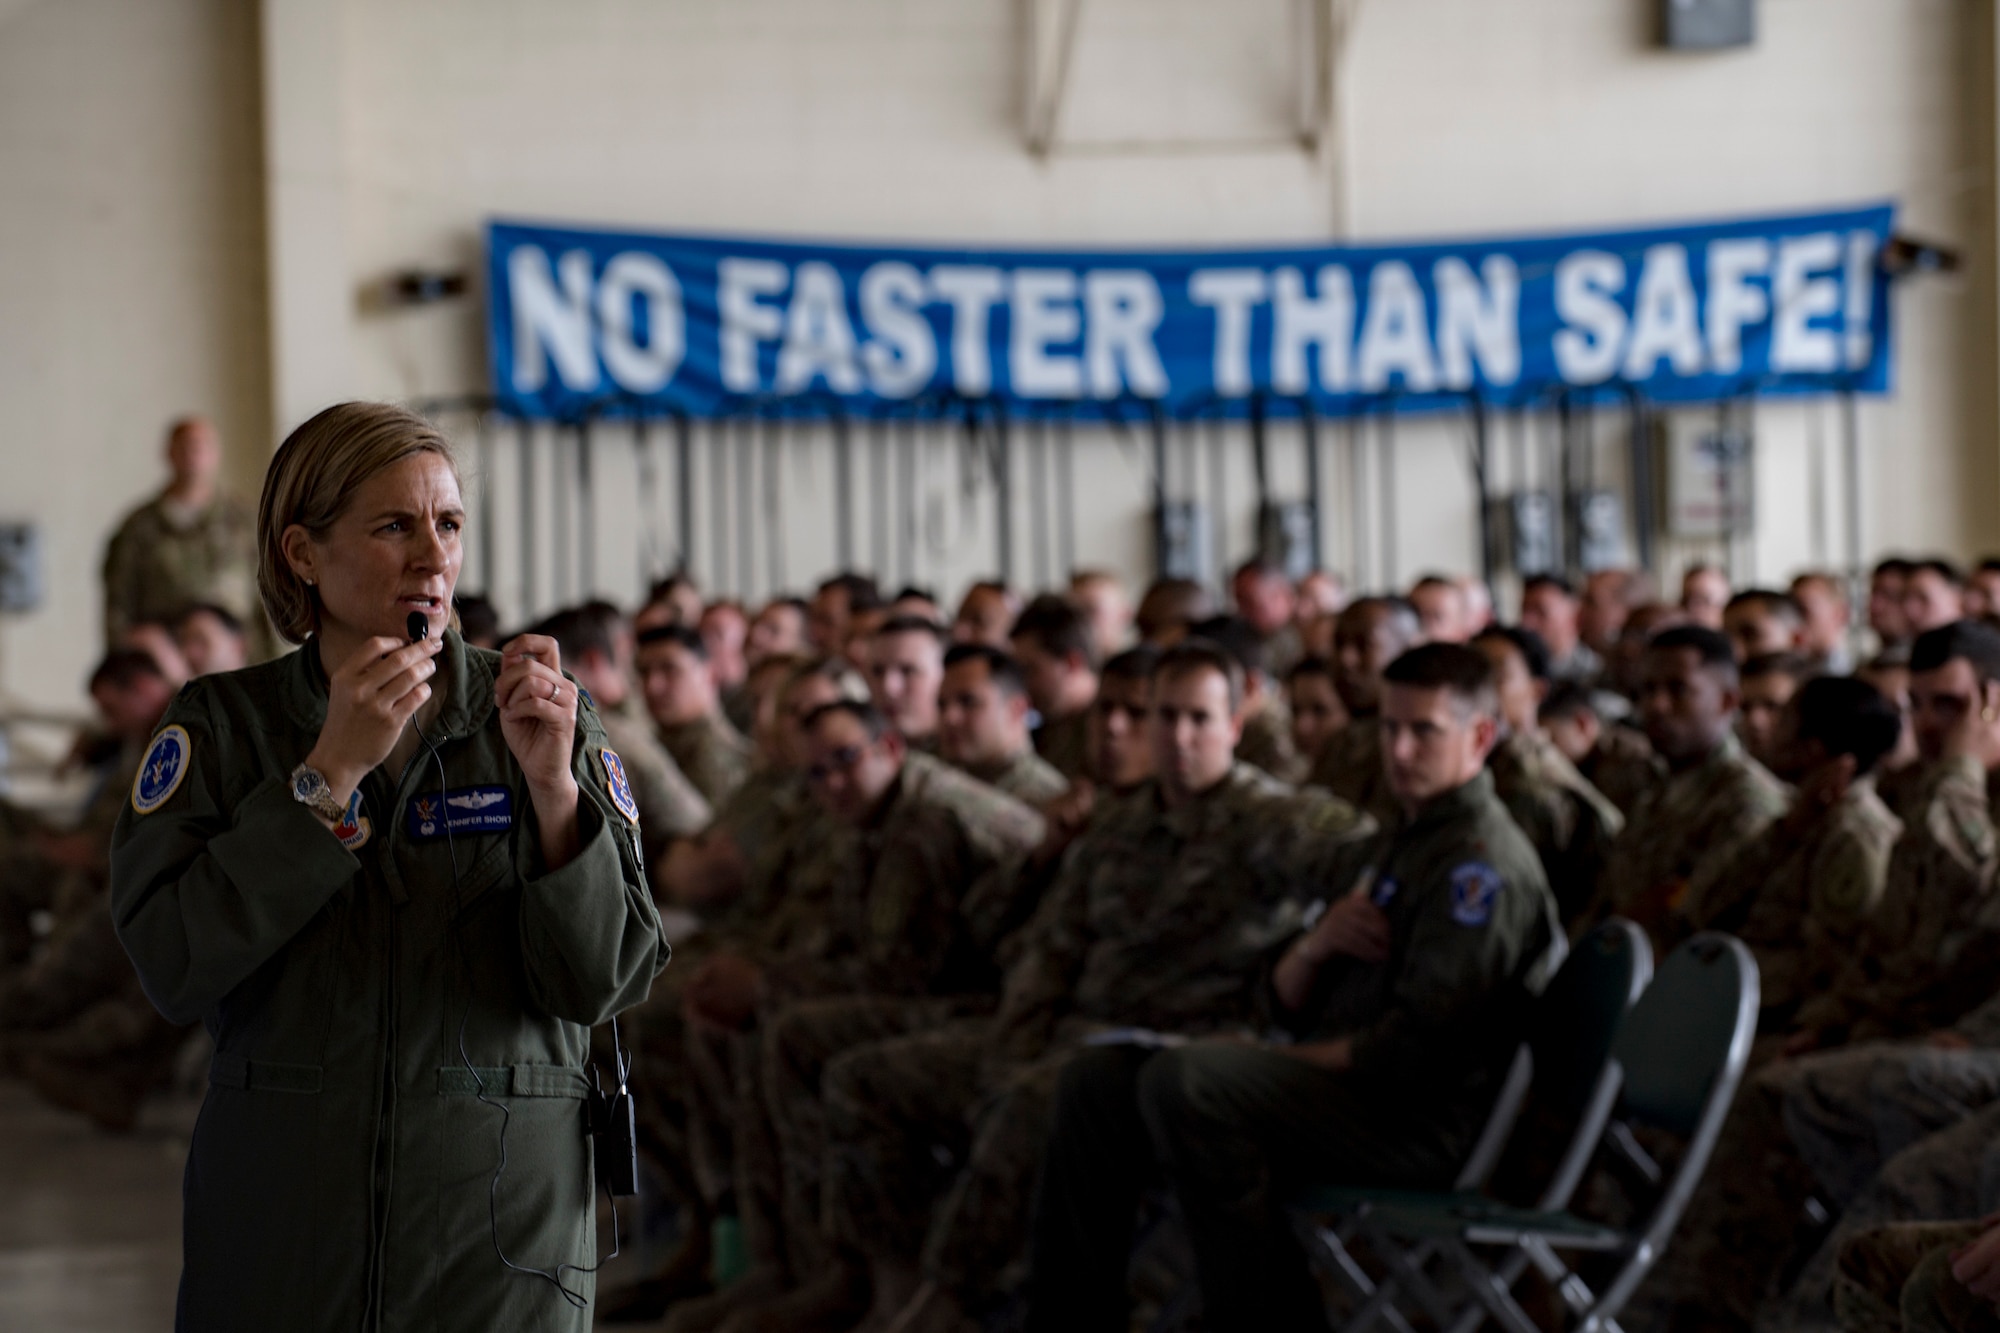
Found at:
(310, 789)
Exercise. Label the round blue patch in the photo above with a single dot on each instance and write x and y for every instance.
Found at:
(618, 784)
(161, 771)
(1474, 888)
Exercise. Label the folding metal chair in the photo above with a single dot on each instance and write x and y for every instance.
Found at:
(1681, 1052)
(1567, 1057)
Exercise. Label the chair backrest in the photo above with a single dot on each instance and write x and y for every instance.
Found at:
(1683, 1050)
(1578, 1017)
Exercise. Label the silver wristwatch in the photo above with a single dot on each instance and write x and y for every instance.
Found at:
(310, 789)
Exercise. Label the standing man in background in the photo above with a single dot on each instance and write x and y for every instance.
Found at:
(190, 543)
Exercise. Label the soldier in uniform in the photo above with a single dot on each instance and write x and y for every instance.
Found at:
(1716, 799)
(907, 944)
(1168, 607)
(1550, 608)
(1617, 759)
(1105, 603)
(778, 630)
(399, 882)
(191, 543)
(1442, 609)
(1762, 622)
(1266, 600)
(834, 604)
(1315, 708)
(686, 706)
(1371, 633)
(1159, 919)
(1921, 1277)
(1769, 681)
(212, 639)
(598, 650)
(1570, 822)
(1267, 726)
(905, 665)
(1056, 646)
(983, 724)
(725, 629)
(1406, 999)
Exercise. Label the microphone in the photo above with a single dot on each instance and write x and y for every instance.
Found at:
(418, 626)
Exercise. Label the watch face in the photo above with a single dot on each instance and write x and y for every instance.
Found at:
(305, 785)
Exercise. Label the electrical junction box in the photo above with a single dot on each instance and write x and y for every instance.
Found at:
(1707, 25)
(22, 583)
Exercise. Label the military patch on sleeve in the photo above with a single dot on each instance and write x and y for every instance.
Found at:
(618, 784)
(583, 697)
(161, 771)
(1475, 886)
(354, 830)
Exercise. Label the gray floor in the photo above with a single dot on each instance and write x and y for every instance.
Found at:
(89, 1225)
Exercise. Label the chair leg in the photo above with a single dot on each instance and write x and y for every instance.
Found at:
(1488, 1289)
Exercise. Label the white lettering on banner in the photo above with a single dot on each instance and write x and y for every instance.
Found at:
(1122, 308)
(1043, 313)
(1587, 347)
(637, 275)
(1665, 316)
(551, 324)
(972, 289)
(1861, 248)
(901, 353)
(1478, 322)
(1734, 303)
(818, 339)
(1803, 289)
(1299, 321)
(1231, 292)
(746, 321)
(1395, 333)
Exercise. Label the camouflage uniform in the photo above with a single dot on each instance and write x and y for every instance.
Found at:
(1350, 766)
(1684, 835)
(1570, 822)
(30, 882)
(1065, 743)
(713, 755)
(1801, 897)
(162, 560)
(1623, 766)
(1897, 1279)
(669, 805)
(1027, 777)
(1159, 919)
(1267, 742)
(1473, 935)
(909, 944)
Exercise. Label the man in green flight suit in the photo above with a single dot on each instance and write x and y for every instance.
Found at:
(1406, 998)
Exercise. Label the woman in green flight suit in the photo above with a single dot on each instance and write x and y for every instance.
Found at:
(399, 882)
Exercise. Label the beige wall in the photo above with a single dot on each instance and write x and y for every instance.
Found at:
(902, 119)
(131, 282)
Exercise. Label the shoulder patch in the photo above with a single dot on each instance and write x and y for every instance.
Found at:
(618, 784)
(1475, 886)
(583, 696)
(354, 830)
(161, 771)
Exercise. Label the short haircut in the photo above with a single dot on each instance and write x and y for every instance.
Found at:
(1988, 564)
(1059, 627)
(1978, 643)
(1435, 581)
(1894, 567)
(477, 618)
(1710, 646)
(911, 625)
(1235, 636)
(1556, 581)
(1001, 667)
(1133, 664)
(863, 593)
(911, 590)
(995, 586)
(685, 635)
(872, 719)
(1310, 666)
(1532, 647)
(123, 668)
(1796, 665)
(1263, 567)
(1568, 698)
(1173, 602)
(837, 670)
(1772, 602)
(1401, 614)
(1193, 654)
(1460, 671)
(1848, 717)
(797, 604)
(1943, 568)
(223, 616)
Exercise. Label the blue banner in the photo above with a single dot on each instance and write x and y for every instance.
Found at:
(585, 320)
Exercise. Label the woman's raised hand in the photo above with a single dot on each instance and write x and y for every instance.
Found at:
(370, 699)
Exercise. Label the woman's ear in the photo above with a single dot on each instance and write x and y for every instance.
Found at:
(297, 545)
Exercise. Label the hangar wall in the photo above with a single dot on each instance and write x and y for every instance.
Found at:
(394, 128)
